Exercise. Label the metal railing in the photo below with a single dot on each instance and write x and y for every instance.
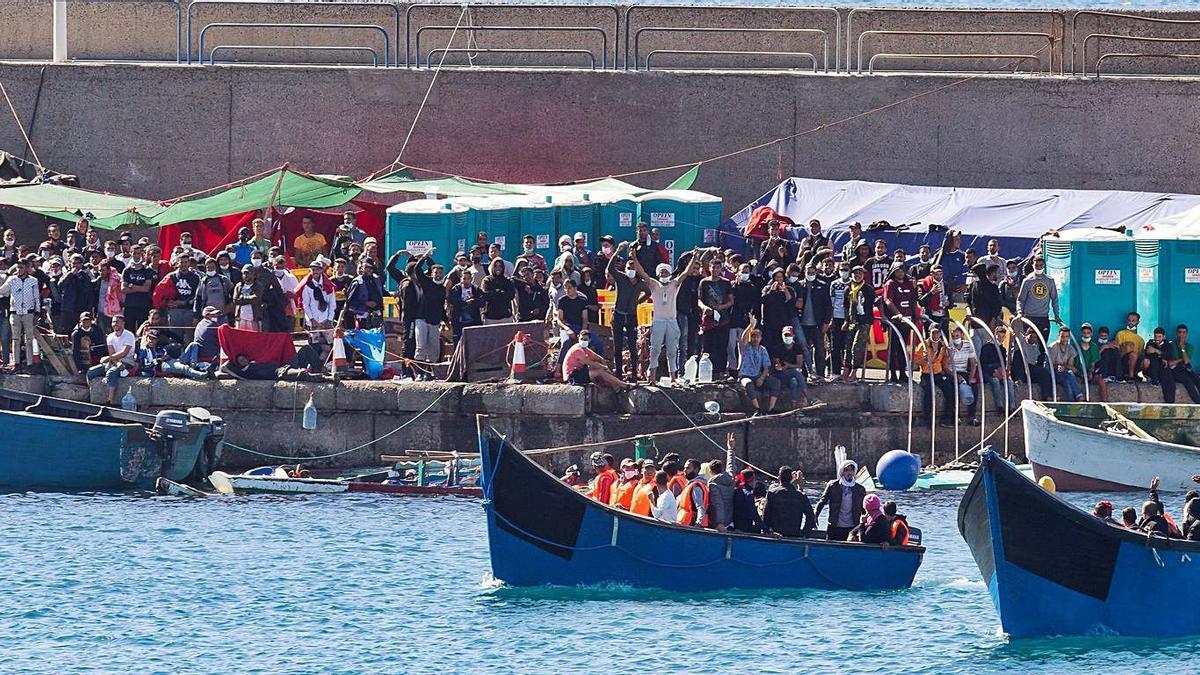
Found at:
(628, 22)
(718, 52)
(178, 23)
(1134, 38)
(1115, 55)
(387, 45)
(1115, 15)
(550, 29)
(637, 38)
(212, 54)
(952, 33)
(493, 50)
(916, 57)
(470, 27)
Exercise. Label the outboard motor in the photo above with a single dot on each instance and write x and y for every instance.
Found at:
(171, 424)
(214, 442)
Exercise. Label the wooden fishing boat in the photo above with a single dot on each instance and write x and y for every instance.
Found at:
(169, 488)
(1113, 446)
(1054, 569)
(278, 480)
(542, 532)
(56, 444)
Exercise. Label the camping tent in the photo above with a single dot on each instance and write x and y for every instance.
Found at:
(917, 214)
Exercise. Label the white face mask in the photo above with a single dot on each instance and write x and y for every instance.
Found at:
(257, 262)
(224, 267)
(583, 343)
(631, 273)
(957, 342)
(1102, 341)
(8, 241)
(844, 274)
(664, 278)
(810, 277)
(743, 277)
(788, 340)
(1086, 338)
(792, 279)
(186, 247)
(210, 273)
(528, 248)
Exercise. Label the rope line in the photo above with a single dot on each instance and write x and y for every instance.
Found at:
(20, 126)
(437, 71)
(345, 452)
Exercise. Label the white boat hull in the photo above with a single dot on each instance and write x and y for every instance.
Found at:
(1083, 459)
(242, 484)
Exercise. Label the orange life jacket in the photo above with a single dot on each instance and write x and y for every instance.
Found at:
(687, 509)
(602, 485)
(1175, 531)
(622, 497)
(640, 506)
(900, 532)
(676, 484)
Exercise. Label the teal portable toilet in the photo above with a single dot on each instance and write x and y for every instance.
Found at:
(685, 218)
(1168, 269)
(497, 218)
(616, 215)
(1094, 270)
(576, 214)
(534, 216)
(422, 224)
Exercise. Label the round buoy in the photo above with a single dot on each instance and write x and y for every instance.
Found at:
(1047, 484)
(897, 470)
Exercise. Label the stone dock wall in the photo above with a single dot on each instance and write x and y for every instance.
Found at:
(869, 419)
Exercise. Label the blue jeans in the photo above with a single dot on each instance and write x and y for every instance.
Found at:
(1068, 386)
(802, 340)
(179, 367)
(190, 353)
(998, 392)
(793, 379)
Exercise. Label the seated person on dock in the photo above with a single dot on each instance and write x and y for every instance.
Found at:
(788, 513)
(844, 497)
(754, 369)
(582, 366)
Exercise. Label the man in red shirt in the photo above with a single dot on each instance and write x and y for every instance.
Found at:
(932, 292)
(582, 366)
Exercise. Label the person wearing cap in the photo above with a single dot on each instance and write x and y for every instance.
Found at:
(318, 298)
(643, 494)
(215, 289)
(571, 477)
(934, 363)
(308, 244)
(849, 251)
(87, 343)
(664, 330)
(932, 295)
(629, 478)
(529, 254)
(51, 299)
(631, 292)
(601, 257)
(601, 487)
(787, 366)
(900, 302)
(754, 369)
(1037, 296)
(583, 256)
(77, 294)
(204, 345)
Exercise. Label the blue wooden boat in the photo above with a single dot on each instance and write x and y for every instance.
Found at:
(542, 532)
(1054, 569)
(55, 444)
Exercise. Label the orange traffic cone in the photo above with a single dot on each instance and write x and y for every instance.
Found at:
(518, 363)
(339, 350)
(37, 352)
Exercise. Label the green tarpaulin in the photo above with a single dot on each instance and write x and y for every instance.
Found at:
(451, 186)
(66, 203)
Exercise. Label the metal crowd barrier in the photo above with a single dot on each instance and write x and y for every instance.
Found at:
(212, 55)
(936, 33)
(387, 44)
(178, 23)
(637, 38)
(1114, 15)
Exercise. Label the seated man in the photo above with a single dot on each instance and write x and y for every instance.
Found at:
(154, 359)
(121, 359)
(787, 362)
(582, 366)
(993, 362)
(754, 368)
(1130, 347)
(934, 368)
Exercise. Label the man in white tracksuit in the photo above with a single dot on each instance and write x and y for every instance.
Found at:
(664, 331)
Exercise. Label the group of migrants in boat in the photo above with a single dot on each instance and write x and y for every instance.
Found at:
(696, 494)
(1155, 520)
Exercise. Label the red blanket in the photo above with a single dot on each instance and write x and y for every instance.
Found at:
(258, 347)
(756, 227)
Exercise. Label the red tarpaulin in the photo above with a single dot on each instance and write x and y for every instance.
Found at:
(214, 234)
(258, 347)
(756, 227)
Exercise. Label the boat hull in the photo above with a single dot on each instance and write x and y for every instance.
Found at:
(541, 532)
(1053, 569)
(1083, 459)
(252, 484)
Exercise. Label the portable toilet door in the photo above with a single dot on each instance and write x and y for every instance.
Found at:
(1094, 270)
(1168, 267)
(424, 224)
(534, 217)
(496, 218)
(616, 215)
(685, 218)
(577, 216)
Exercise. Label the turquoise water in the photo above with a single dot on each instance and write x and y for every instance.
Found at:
(378, 584)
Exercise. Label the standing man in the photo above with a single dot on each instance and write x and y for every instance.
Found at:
(464, 301)
(499, 294)
(879, 266)
(137, 282)
(815, 315)
(900, 300)
(648, 253)
(214, 290)
(622, 274)
(664, 331)
(309, 244)
(844, 497)
(839, 288)
(776, 248)
(181, 310)
(531, 257)
(856, 239)
(25, 306)
(77, 293)
(1038, 295)
(788, 513)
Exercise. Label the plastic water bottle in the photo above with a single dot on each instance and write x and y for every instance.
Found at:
(705, 369)
(690, 368)
(309, 422)
(129, 401)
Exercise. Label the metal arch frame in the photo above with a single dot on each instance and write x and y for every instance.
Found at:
(553, 29)
(908, 360)
(637, 38)
(387, 45)
(955, 33)
(1087, 391)
(1115, 15)
(178, 22)
(837, 26)
(498, 50)
(212, 54)
(1020, 58)
(1045, 350)
(1055, 15)
(982, 390)
(709, 52)
(1100, 60)
(408, 12)
(291, 3)
(1135, 38)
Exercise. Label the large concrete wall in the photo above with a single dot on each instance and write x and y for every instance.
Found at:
(164, 130)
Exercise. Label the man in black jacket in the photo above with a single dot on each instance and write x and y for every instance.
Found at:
(464, 301)
(983, 297)
(845, 498)
(78, 294)
(745, 510)
(815, 315)
(788, 512)
(498, 295)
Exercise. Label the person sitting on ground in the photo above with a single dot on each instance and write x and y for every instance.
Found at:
(121, 358)
(745, 511)
(993, 362)
(1064, 361)
(582, 366)
(1029, 363)
(1130, 346)
(606, 477)
(754, 369)
(787, 363)
(1104, 512)
(571, 477)
(899, 530)
(663, 506)
(643, 493)
(1129, 518)
(964, 369)
(1178, 362)
(874, 528)
(844, 497)
(1089, 360)
(305, 366)
(630, 479)
(788, 513)
(87, 343)
(935, 373)
(154, 359)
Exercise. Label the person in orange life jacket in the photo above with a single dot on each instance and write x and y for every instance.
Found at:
(571, 477)
(606, 477)
(844, 497)
(643, 493)
(935, 369)
(629, 477)
(899, 531)
(874, 528)
(1155, 519)
(693, 502)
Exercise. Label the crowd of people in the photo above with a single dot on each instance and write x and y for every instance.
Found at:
(791, 314)
(1154, 518)
(705, 494)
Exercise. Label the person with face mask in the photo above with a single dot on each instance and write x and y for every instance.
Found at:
(815, 314)
(664, 331)
(934, 364)
(860, 319)
(754, 370)
(601, 257)
(1130, 348)
(138, 282)
(1037, 296)
(747, 300)
(622, 275)
(213, 290)
(787, 363)
(532, 258)
(964, 366)
(900, 302)
(628, 480)
(1064, 362)
(499, 295)
(25, 308)
(649, 254)
(581, 366)
(9, 252)
(839, 287)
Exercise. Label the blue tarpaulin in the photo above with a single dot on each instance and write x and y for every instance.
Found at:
(372, 345)
(1016, 217)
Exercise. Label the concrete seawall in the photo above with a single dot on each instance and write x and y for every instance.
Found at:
(265, 416)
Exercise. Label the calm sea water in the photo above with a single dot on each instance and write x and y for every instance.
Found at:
(377, 584)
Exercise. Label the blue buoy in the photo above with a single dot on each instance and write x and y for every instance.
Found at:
(897, 470)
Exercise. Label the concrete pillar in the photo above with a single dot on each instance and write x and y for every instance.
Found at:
(60, 31)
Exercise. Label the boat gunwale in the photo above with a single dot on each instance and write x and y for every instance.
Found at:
(1045, 412)
(75, 420)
